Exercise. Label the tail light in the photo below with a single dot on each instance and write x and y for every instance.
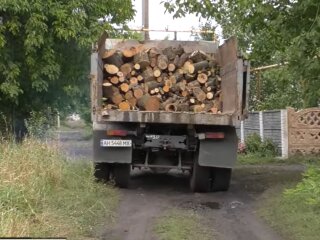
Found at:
(214, 135)
(120, 133)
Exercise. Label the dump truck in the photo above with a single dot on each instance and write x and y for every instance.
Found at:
(203, 143)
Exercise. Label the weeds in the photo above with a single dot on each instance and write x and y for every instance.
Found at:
(43, 195)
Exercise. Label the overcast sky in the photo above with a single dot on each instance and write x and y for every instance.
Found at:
(160, 20)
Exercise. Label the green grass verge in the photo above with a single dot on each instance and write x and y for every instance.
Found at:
(182, 225)
(255, 159)
(41, 194)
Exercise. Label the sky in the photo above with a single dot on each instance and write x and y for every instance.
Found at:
(160, 20)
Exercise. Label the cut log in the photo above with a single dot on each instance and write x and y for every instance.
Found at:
(113, 58)
(149, 103)
(171, 107)
(128, 95)
(168, 52)
(211, 82)
(166, 88)
(178, 51)
(133, 81)
(109, 90)
(156, 72)
(195, 67)
(133, 72)
(214, 110)
(142, 59)
(189, 77)
(111, 69)
(124, 87)
(126, 69)
(183, 107)
(129, 53)
(176, 60)
(193, 84)
(162, 62)
(198, 56)
(159, 79)
(202, 78)
(140, 78)
(153, 62)
(176, 77)
(196, 108)
(114, 80)
(138, 92)
(152, 85)
(132, 102)
(171, 67)
(186, 66)
(137, 66)
(184, 93)
(210, 95)
(117, 98)
(108, 53)
(148, 75)
(124, 106)
(184, 57)
(199, 94)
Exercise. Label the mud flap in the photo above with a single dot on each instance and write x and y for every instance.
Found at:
(220, 153)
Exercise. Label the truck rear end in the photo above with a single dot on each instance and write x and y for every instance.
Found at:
(203, 143)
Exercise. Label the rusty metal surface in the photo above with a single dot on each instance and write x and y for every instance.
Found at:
(168, 117)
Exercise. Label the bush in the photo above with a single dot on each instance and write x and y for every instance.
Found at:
(255, 145)
(41, 194)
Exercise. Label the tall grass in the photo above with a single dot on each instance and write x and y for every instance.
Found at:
(41, 194)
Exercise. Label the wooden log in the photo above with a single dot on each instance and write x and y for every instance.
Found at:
(156, 72)
(198, 56)
(147, 75)
(152, 85)
(199, 94)
(178, 51)
(140, 78)
(133, 102)
(133, 72)
(159, 79)
(183, 58)
(137, 66)
(142, 59)
(181, 86)
(114, 59)
(202, 78)
(168, 52)
(108, 53)
(148, 103)
(169, 100)
(138, 92)
(124, 87)
(176, 60)
(193, 84)
(184, 93)
(126, 69)
(186, 66)
(176, 77)
(171, 67)
(171, 107)
(166, 88)
(162, 62)
(111, 107)
(109, 90)
(210, 95)
(196, 108)
(190, 77)
(154, 52)
(192, 100)
(111, 69)
(124, 106)
(117, 98)
(128, 95)
(114, 80)
(153, 62)
(183, 107)
(133, 81)
(129, 52)
(195, 67)
(211, 82)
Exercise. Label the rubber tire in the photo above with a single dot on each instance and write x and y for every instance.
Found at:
(102, 172)
(221, 179)
(200, 178)
(121, 174)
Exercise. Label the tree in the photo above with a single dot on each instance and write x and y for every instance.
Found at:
(45, 49)
(271, 32)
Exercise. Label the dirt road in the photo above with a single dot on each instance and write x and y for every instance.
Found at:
(230, 214)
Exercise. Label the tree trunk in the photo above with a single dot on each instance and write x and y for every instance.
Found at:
(149, 103)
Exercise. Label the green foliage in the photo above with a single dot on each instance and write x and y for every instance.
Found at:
(42, 194)
(39, 123)
(308, 190)
(271, 32)
(45, 50)
(208, 36)
(255, 145)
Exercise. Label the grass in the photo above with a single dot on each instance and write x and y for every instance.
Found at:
(255, 159)
(182, 225)
(41, 194)
(291, 217)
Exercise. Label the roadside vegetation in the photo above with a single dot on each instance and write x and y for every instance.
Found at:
(41, 194)
(180, 224)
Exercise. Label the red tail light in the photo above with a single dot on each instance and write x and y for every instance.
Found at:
(121, 133)
(215, 135)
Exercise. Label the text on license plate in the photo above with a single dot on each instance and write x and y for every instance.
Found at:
(115, 143)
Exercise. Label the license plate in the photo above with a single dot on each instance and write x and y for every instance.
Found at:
(115, 143)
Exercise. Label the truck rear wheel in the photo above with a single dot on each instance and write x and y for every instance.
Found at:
(102, 172)
(221, 179)
(200, 178)
(121, 174)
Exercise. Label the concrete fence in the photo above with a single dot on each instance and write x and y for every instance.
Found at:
(292, 132)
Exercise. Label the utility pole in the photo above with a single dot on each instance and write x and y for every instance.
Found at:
(145, 18)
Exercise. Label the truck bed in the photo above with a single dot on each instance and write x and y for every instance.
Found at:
(168, 117)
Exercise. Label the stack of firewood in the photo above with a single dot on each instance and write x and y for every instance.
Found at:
(161, 80)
